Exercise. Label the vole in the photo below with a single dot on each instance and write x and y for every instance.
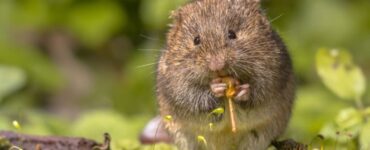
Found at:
(212, 39)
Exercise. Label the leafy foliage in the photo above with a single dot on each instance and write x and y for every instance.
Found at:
(346, 80)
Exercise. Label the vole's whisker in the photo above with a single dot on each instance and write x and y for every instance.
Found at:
(150, 38)
(151, 50)
(146, 65)
(235, 72)
(276, 18)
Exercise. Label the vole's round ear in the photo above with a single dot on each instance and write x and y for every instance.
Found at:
(175, 14)
(176, 17)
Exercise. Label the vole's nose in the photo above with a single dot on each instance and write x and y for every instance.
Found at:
(216, 63)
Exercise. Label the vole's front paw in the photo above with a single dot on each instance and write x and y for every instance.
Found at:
(243, 92)
(218, 88)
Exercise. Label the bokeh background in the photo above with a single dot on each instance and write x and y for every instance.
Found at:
(84, 67)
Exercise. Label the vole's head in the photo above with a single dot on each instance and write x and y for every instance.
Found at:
(222, 37)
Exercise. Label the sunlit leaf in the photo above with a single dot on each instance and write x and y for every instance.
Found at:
(201, 139)
(340, 74)
(329, 131)
(333, 133)
(218, 111)
(11, 79)
(347, 125)
(348, 119)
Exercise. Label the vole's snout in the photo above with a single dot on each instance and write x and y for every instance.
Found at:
(216, 63)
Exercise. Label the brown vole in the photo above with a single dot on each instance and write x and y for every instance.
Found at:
(210, 39)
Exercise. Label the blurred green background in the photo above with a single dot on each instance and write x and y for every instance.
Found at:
(75, 67)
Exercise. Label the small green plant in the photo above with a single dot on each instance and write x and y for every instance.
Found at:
(351, 128)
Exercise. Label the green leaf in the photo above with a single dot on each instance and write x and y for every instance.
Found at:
(340, 74)
(332, 132)
(347, 126)
(349, 119)
(218, 111)
(11, 79)
(365, 136)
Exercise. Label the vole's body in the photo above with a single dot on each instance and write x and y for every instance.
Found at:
(230, 38)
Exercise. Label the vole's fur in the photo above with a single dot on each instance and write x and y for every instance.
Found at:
(256, 56)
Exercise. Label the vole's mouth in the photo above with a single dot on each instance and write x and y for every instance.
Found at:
(219, 74)
(224, 73)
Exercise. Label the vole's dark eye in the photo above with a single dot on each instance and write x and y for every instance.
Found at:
(231, 34)
(197, 40)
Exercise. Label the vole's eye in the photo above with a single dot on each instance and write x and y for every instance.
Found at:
(197, 40)
(231, 34)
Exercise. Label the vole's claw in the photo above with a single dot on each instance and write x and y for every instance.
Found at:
(243, 92)
(218, 88)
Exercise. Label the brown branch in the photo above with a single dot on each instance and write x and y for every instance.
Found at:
(289, 145)
(31, 142)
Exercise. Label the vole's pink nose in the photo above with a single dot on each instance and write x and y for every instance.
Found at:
(216, 64)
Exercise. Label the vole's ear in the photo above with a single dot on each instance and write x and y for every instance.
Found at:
(175, 14)
(176, 17)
